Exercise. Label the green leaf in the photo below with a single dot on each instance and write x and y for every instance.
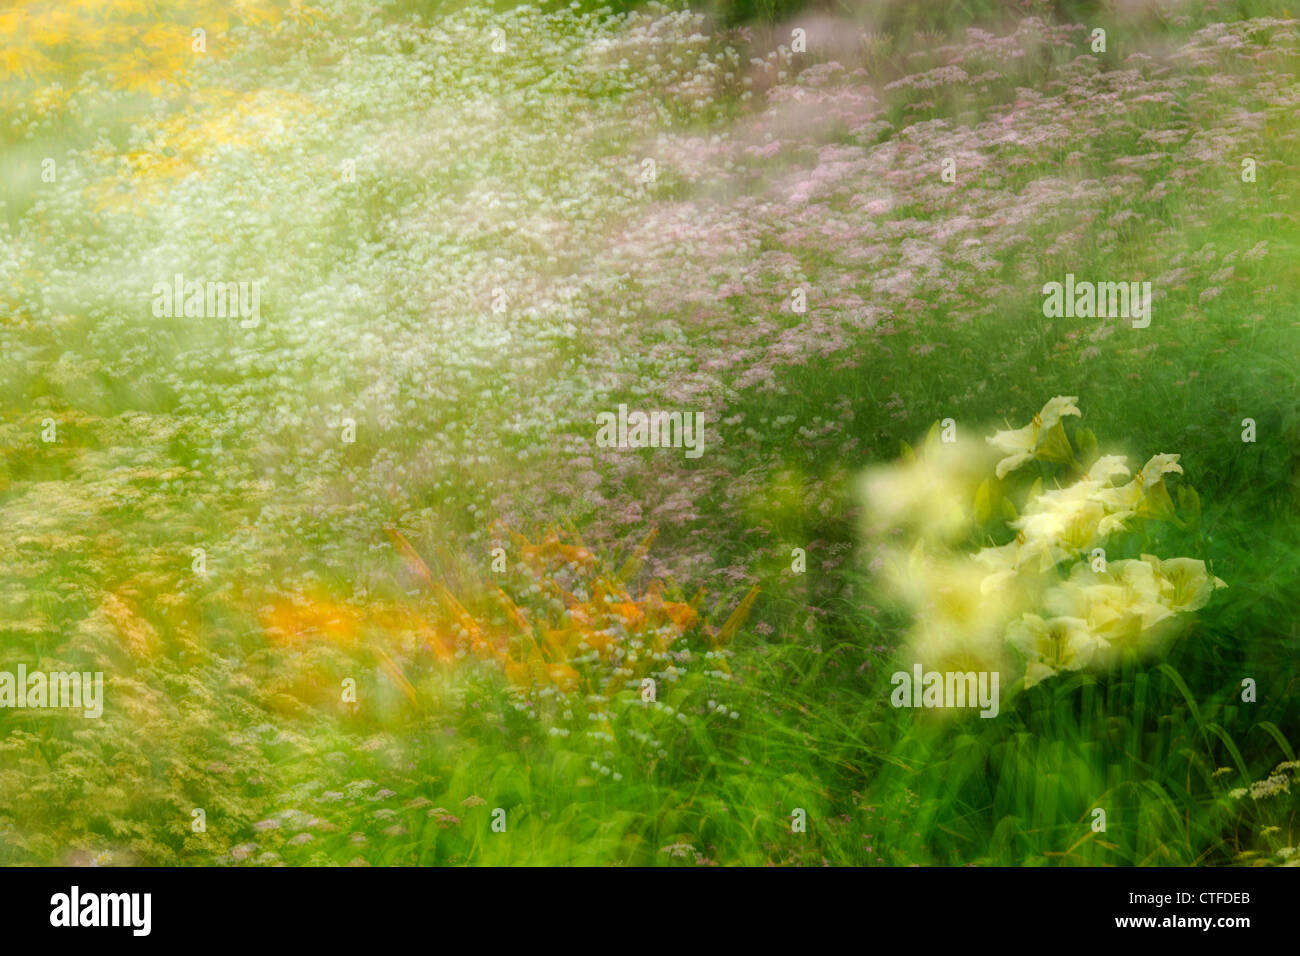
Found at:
(1054, 446)
(1086, 441)
(1189, 503)
(981, 506)
(932, 438)
(1272, 730)
(1035, 490)
(1231, 748)
(1157, 504)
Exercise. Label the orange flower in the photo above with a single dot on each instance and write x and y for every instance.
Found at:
(563, 676)
(631, 613)
(299, 618)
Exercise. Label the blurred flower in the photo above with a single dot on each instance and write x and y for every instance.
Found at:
(929, 493)
(969, 607)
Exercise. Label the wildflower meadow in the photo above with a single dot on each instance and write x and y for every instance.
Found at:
(656, 434)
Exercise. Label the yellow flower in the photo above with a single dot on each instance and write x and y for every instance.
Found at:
(1061, 523)
(53, 27)
(1107, 466)
(1018, 444)
(932, 495)
(1146, 493)
(1121, 605)
(1185, 584)
(1039, 439)
(970, 608)
(1003, 564)
(19, 61)
(1159, 466)
(255, 12)
(956, 622)
(1053, 645)
(1112, 523)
